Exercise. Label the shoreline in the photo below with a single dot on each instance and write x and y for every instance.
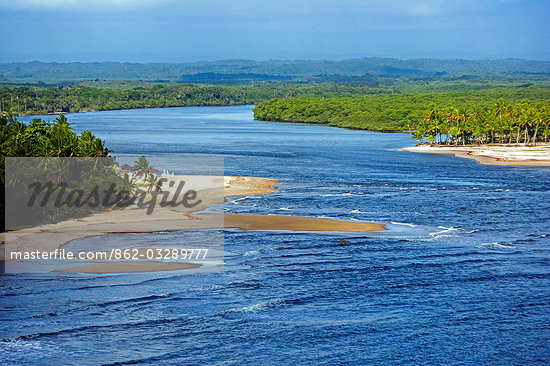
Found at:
(502, 154)
(57, 113)
(327, 124)
(51, 237)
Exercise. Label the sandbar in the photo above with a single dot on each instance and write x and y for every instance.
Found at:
(50, 237)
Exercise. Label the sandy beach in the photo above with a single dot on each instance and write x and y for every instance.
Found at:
(509, 154)
(165, 219)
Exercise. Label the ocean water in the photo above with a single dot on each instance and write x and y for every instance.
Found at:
(461, 276)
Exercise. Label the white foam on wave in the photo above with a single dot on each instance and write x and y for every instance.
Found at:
(337, 194)
(495, 244)
(437, 237)
(19, 345)
(237, 200)
(445, 230)
(358, 212)
(402, 223)
(251, 252)
(329, 217)
(284, 209)
(262, 306)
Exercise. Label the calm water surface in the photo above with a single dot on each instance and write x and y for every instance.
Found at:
(462, 276)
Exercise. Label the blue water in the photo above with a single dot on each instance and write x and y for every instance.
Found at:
(462, 276)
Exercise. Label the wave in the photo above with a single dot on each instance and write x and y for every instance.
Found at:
(253, 308)
(136, 299)
(445, 230)
(237, 200)
(402, 223)
(262, 306)
(495, 244)
(437, 237)
(245, 284)
(128, 325)
(44, 315)
(338, 194)
(284, 209)
(20, 345)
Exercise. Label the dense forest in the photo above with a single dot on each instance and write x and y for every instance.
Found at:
(23, 100)
(392, 112)
(127, 94)
(264, 70)
(503, 123)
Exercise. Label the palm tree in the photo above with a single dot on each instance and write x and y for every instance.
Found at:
(129, 184)
(431, 120)
(455, 131)
(508, 126)
(154, 182)
(142, 167)
(537, 119)
(420, 131)
(494, 125)
(524, 118)
(501, 109)
(512, 114)
(546, 123)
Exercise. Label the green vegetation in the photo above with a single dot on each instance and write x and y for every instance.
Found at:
(395, 112)
(379, 94)
(503, 123)
(42, 139)
(64, 99)
(247, 70)
(40, 88)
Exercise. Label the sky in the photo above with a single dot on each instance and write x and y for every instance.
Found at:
(195, 30)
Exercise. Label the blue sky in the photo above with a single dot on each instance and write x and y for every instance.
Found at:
(192, 30)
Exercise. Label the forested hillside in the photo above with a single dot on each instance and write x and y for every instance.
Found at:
(263, 70)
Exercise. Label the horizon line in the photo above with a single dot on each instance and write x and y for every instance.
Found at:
(277, 60)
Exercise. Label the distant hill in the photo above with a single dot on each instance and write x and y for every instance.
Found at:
(264, 70)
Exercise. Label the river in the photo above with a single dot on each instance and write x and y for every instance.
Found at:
(462, 274)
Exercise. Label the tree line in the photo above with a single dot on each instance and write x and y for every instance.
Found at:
(387, 112)
(25, 100)
(502, 123)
